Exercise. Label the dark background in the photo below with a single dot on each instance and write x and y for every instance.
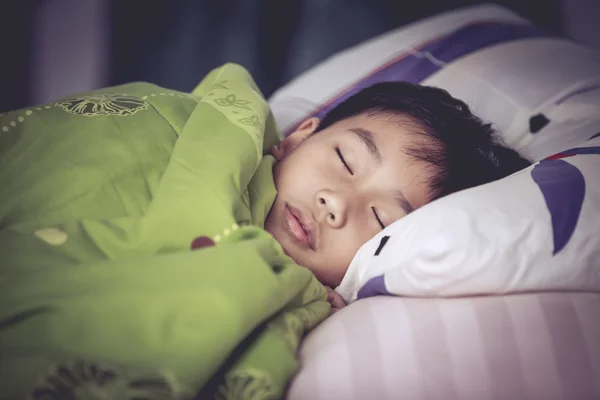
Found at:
(54, 48)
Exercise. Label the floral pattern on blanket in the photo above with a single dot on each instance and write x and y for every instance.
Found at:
(80, 379)
(103, 105)
(247, 384)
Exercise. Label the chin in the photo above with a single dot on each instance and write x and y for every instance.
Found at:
(286, 251)
(292, 253)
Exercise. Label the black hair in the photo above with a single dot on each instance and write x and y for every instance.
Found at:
(462, 151)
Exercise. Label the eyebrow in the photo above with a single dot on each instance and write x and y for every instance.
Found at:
(403, 202)
(367, 138)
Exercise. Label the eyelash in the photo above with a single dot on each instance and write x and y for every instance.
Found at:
(377, 217)
(341, 157)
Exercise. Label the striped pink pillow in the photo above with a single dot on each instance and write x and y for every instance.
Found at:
(532, 346)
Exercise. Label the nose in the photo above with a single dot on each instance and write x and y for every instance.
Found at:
(333, 208)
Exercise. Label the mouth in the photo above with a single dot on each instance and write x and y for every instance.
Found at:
(297, 227)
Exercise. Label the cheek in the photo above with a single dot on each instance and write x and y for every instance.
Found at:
(299, 173)
(353, 240)
(343, 245)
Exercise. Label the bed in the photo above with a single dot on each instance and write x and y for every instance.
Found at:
(493, 292)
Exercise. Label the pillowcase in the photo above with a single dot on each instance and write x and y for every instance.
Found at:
(542, 346)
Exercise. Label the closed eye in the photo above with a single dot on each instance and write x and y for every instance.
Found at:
(339, 153)
(377, 218)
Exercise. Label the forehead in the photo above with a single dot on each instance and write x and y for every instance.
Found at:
(392, 134)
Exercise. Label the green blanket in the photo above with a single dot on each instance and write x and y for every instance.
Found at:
(133, 263)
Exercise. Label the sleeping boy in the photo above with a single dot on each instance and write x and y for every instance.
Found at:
(376, 157)
(154, 236)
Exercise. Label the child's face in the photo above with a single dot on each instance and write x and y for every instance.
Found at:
(336, 188)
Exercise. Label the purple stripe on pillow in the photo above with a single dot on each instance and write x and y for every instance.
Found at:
(563, 188)
(575, 151)
(595, 136)
(374, 287)
(414, 67)
(583, 150)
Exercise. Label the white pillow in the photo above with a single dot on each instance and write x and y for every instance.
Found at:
(535, 230)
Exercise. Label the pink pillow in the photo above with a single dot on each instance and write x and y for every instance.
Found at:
(532, 346)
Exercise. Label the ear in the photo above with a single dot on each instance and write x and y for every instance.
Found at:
(302, 132)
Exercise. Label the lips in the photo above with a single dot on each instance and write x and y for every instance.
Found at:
(297, 226)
